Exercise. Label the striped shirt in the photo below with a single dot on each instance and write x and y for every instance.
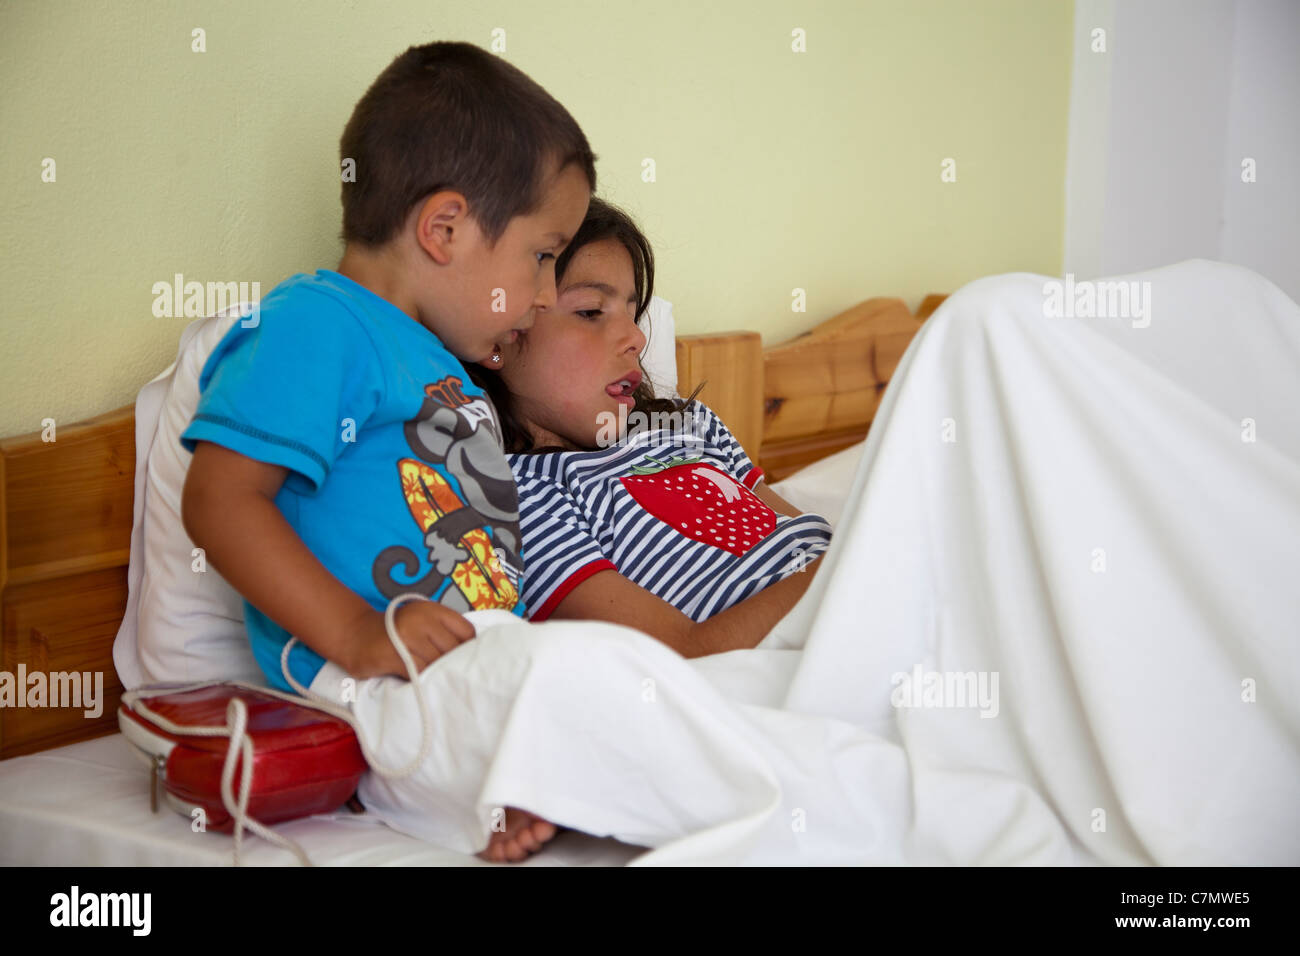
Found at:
(669, 508)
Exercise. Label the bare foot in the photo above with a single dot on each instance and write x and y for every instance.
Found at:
(523, 836)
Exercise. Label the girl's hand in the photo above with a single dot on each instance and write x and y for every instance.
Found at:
(427, 628)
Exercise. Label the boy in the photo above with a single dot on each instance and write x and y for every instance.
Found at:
(342, 456)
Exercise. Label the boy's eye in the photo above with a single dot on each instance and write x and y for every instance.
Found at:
(543, 256)
(588, 313)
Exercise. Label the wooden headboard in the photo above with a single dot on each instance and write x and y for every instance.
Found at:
(66, 504)
(65, 538)
(795, 403)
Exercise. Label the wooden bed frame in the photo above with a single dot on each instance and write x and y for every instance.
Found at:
(66, 505)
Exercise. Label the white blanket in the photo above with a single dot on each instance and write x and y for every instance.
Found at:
(1058, 624)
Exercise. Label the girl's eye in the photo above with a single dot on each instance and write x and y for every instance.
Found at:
(588, 313)
(543, 256)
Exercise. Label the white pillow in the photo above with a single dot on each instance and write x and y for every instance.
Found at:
(659, 357)
(180, 624)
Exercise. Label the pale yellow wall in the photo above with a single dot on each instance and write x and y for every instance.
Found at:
(775, 170)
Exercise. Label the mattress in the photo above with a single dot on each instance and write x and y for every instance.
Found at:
(87, 804)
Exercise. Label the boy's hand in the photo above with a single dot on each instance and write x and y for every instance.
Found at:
(427, 628)
(228, 508)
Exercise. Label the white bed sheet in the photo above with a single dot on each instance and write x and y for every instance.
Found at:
(87, 804)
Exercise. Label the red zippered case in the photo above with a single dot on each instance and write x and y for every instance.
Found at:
(304, 761)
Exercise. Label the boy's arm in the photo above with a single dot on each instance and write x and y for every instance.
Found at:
(228, 509)
(608, 596)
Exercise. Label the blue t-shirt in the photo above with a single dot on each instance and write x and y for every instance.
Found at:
(397, 481)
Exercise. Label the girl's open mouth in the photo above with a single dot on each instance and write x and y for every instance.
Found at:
(623, 388)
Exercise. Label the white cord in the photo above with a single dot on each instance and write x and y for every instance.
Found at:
(325, 704)
(236, 729)
(237, 721)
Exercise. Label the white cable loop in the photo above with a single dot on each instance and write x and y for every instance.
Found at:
(241, 746)
(323, 703)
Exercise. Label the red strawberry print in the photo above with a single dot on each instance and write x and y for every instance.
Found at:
(703, 503)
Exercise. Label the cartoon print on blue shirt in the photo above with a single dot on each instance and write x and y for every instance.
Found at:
(471, 534)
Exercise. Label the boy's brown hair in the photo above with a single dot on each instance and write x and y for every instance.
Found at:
(453, 116)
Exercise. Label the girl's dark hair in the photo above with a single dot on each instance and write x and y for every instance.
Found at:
(453, 116)
(604, 221)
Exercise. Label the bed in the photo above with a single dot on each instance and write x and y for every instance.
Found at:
(1055, 626)
(71, 792)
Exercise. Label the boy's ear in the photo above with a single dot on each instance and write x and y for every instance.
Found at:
(442, 225)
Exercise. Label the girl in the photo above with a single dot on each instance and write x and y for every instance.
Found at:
(666, 527)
